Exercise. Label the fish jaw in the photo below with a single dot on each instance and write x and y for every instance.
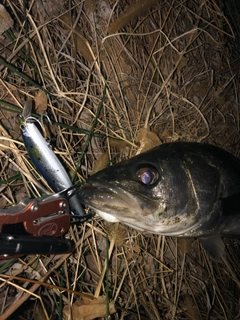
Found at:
(115, 204)
(112, 199)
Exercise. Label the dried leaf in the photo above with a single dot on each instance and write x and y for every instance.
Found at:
(147, 140)
(133, 11)
(47, 9)
(183, 63)
(3, 201)
(16, 267)
(40, 102)
(38, 312)
(81, 43)
(90, 5)
(185, 244)
(10, 95)
(101, 163)
(167, 136)
(20, 194)
(192, 311)
(93, 275)
(4, 144)
(6, 21)
(88, 309)
(118, 233)
(149, 266)
(27, 110)
(118, 144)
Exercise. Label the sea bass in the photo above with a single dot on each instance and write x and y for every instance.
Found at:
(179, 189)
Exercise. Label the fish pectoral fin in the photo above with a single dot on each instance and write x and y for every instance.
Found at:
(214, 246)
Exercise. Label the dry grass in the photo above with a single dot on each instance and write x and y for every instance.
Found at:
(169, 66)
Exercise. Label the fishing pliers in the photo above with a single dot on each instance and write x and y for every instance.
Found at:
(34, 226)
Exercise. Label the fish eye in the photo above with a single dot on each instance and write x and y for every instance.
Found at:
(147, 176)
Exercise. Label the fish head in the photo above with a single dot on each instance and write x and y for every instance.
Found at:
(148, 192)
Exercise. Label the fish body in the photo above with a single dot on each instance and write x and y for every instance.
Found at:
(178, 189)
(46, 162)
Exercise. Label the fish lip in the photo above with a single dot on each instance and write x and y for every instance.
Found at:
(129, 201)
(104, 189)
(122, 198)
(122, 204)
(97, 187)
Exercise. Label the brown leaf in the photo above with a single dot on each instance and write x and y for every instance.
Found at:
(167, 136)
(88, 309)
(80, 42)
(46, 10)
(147, 140)
(4, 144)
(149, 266)
(90, 5)
(191, 309)
(136, 9)
(20, 194)
(40, 102)
(185, 244)
(101, 163)
(6, 21)
(3, 201)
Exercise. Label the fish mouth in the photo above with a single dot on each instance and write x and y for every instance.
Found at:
(109, 197)
(115, 204)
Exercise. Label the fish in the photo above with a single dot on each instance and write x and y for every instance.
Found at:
(179, 189)
(46, 162)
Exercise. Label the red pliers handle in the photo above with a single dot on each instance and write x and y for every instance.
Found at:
(33, 225)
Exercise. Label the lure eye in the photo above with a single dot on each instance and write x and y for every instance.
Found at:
(147, 176)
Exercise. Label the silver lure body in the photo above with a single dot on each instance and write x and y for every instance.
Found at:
(47, 163)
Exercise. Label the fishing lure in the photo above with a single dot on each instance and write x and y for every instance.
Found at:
(46, 162)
